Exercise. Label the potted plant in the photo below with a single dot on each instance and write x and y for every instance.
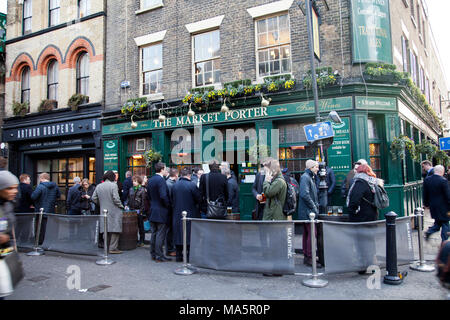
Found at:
(399, 145)
(134, 105)
(382, 73)
(427, 148)
(47, 105)
(151, 156)
(77, 99)
(324, 78)
(20, 109)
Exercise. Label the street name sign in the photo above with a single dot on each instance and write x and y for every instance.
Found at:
(444, 143)
(318, 131)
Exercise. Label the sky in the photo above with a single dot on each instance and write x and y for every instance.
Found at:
(438, 11)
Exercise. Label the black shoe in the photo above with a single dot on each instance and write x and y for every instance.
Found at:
(166, 259)
(362, 272)
(159, 260)
(427, 236)
(267, 275)
(153, 258)
(179, 259)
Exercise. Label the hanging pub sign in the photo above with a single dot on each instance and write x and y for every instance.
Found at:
(371, 31)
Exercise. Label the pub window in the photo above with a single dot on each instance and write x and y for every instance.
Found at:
(83, 74)
(273, 45)
(374, 146)
(207, 58)
(135, 155)
(52, 80)
(54, 12)
(27, 14)
(83, 8)
(186, 158)
(152, 69)
(294, 150)
(25, 86)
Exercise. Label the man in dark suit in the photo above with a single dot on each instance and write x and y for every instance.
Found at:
(218, 185)
(427, 169)
(436, 197)
(126, 185)
(158, 194)
(24, 202)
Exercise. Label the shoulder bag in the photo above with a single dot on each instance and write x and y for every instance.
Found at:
(215, 209)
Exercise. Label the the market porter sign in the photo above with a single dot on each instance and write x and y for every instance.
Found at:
(371, 31)
(249, 114)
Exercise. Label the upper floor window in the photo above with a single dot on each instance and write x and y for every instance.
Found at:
(52, 80)
(83, 8)
(145, 4)
(83, 74)
(54, 12)
(152, 69)
(273, 45)
(25, 85)
(405, 53)
(411, 5)
(207, 58)
(27, 13)
(414, 67)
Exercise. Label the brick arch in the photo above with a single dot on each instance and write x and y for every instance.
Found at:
(78, 45)
(50, 52)
(22, 60)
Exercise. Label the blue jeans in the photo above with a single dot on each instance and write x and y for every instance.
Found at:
(440, 225)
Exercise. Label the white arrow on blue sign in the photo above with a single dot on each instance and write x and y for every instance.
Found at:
(318, 131)
(444, 143)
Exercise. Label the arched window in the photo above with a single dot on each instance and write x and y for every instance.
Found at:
(83, 74)
(52, 80)
(25, 85)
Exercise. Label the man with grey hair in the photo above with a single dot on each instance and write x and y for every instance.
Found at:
(226, 165)
(436, 197)
(308, 202)
(73, 203)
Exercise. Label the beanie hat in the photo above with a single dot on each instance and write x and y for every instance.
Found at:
(7, 179)
(310, 163)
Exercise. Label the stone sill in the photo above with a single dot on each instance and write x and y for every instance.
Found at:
(156, 6)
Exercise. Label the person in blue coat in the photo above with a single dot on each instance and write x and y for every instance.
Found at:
(436, 197)
(158, 195)
(186, 197)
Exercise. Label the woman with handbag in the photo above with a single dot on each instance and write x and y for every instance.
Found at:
(87, 190)
(136, 202)
(9, 276)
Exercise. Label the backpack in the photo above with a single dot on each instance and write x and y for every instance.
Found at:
(380, 199)
(290, 203)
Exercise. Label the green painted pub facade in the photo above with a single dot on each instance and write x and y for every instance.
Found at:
(373, 115)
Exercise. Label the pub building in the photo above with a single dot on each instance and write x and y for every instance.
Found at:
(63, 143)
(172, 51)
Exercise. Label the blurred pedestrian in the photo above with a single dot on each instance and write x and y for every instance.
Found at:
(308, 202)
(158, 195)
(196, 174)
(233, 191)
(24, 202)
(106, 195)
(218, 186)
(257, 191)
(45, 196)
(427, 169)
(443, 265)
(226, 165)
(73, 203)
(349, 178)
(87, 190)
(171, 180)
(126, 186)
(8, 192)
(436, 197)
(3, 163)
(136, 202)
(186, 197)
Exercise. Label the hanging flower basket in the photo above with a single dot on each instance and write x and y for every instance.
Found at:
(151, 156)
(399, 146)
(20, 109)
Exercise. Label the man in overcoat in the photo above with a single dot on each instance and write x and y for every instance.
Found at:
(436, 197)
(158, 195)
(186, 197)
(106, 195)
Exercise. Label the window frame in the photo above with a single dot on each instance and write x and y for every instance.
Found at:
(210, 59)
(155, 95)
(25, 18)
(259, 77)
(142, 9)
(85, 9)
(80, 76)
(379, 140)
(50, 9)
(28, 90)
(53, 84)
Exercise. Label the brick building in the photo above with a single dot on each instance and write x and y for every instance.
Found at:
(55, 50)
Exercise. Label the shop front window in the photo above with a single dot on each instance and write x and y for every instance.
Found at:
(375, 160)
(136, 148)
(185, 157)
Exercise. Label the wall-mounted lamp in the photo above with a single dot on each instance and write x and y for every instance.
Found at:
(161, 117)
(191, 112)
(224, 106)
(265, 102)
(133, 124)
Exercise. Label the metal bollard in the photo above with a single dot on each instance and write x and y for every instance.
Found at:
(105, 261)
(37, 251)
(392, 276)
(314, 282)
(421, 264)
(186, 269)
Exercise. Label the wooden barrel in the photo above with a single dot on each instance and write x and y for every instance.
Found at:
(233, 216)
(129, 236)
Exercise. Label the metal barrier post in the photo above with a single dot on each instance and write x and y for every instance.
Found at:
(314, 282)
(185, 269)
(105, 261)
(421, 264)
(392, 276)
(37, 251)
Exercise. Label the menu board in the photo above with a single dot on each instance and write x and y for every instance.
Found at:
(340, 152)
